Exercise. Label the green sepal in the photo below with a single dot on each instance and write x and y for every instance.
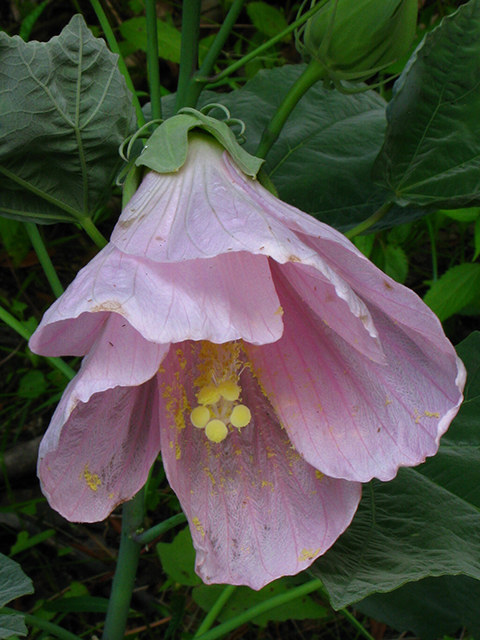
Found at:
(166, 150)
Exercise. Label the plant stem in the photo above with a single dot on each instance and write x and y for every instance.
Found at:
(369, 222)
(212, 615)
(189, 50)
(351, 618)
(44, 258)
(124, 579)
(44, 625)
(309, 77)
(148, 536)
(433, 244)
(153, 67)
(195, 88)
(255, 611)
(17, 326)
(89, 228)
(264, 47)
(112, 43)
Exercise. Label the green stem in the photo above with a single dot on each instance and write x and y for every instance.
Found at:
(148, 536)
(44, 258)
(255, 611)
(112, 43)
(44, 625)
(309, 77)
(212, 615)
(153, 66)
(369, 222)
(17, 326)
(91, 230)
(124, 579)
(351, 618)
(433, 244)
(264, 47)
(195, 88)
(189, 50)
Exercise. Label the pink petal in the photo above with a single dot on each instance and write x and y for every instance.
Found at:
(347, 316)
(101, 456)
(256, 510)
(206, 209)
(224, 298)
(348, 416)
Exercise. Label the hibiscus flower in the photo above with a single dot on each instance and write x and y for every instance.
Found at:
(273, 365)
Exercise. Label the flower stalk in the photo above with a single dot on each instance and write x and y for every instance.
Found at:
(189, 50)
(125, 572)
(153, 67)
(148, 536)
(309, 77)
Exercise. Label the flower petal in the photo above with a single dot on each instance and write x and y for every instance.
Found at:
(100, 456)
(348, 316)
(256, 510)
(347, 415)
(220, 299)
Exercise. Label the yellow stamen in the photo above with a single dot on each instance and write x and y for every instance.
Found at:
(229, 390)
(241, 416)
(199, 417)
(216, 430)
(208, 395)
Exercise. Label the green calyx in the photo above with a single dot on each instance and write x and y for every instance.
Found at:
(166, 149)
(353, 39)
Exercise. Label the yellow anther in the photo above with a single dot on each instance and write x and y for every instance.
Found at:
(241, 416)
(229, 390)
(208, 395)
(199, 417)
(216, 430)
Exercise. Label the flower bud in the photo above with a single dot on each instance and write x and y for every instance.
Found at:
(353, 39)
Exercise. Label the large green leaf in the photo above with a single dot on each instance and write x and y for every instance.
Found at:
(323, 158)
(430, 608)
(457, 288)
(64, 110)
(13, 584)
(426, 522)
(431, 154)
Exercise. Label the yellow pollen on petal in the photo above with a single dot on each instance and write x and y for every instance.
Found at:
(200, 416)
(229, 390)
(241, 416)
(216, 430)
(92, 479)
(208, 395)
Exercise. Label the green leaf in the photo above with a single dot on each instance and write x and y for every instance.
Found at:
(477, 238)
(431, 154)
(266, 19)
(462, 215)
(178, 558)
(169, 38)
(429, 608)
(64, 109)
(12, 625)
(323, 158)
(32, 385)
(24, 541)
(396, 263)
(457, 288)
(244, 598)
(13, 584)
(424, 523)
(15, 240)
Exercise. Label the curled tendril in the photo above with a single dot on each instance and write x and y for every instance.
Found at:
(228, 120)
(130, 141)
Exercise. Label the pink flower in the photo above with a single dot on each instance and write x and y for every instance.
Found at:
(274, 366)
